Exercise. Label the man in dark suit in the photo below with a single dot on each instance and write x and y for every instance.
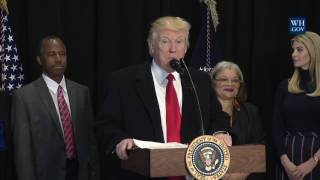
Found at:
(52, 122)
(137, 102)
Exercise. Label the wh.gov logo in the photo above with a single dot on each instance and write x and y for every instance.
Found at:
(297, 25)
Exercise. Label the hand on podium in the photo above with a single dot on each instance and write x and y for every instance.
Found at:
(122, 148)
(223, 136)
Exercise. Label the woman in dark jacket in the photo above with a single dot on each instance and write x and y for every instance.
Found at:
(227, 81)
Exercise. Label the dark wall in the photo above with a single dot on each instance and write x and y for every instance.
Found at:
(106, 35)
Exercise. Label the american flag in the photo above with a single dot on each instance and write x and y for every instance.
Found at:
(12, 76)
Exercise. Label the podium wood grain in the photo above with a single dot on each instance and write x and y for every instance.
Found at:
(171, 162)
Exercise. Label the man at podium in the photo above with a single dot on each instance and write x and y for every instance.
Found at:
(153, 102)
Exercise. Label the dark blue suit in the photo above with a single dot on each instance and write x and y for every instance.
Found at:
(131, 110)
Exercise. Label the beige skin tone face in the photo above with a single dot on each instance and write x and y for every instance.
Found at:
(53, 59)
(168, 45)
(227, 84)
(300, 56)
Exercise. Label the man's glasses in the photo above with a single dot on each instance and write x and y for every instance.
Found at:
(226, 81)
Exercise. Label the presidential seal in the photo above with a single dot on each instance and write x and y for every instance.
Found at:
(207, 158)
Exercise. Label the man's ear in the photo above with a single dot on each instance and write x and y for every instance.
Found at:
(39, 60)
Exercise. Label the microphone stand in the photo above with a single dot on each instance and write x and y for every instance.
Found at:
(195, 95)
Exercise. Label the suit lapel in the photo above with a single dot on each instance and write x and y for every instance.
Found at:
(146, 92)
(46, 99)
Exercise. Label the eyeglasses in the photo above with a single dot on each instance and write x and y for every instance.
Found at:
(226, 81)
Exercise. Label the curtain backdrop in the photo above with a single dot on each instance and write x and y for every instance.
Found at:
(105, 35)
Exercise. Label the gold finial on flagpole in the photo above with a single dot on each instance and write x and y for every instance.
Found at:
(214, 15)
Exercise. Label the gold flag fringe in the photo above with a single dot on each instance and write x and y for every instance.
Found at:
(3, 5)
(212, 6)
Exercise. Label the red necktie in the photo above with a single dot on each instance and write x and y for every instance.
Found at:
(66, 124)
(173, 116)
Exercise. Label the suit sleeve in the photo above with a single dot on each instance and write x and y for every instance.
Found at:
(22, 139)
(108, 127)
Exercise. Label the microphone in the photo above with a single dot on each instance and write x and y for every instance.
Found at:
(177, 65)
(180, 66)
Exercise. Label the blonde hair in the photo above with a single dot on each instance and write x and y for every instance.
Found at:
(222, 65)
(311, 41)
(170, 23)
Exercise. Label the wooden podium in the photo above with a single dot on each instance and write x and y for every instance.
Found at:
(171, 162)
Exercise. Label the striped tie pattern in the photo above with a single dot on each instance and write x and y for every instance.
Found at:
(66, 124)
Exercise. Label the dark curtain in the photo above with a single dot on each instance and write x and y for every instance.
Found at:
(255, 35)
(105, 35)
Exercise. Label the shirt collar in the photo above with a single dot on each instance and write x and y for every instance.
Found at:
(53, 85)
(161, 75)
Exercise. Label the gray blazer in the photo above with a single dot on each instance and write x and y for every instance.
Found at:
(39, 149)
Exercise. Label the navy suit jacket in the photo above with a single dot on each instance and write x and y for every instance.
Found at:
(131, 110)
